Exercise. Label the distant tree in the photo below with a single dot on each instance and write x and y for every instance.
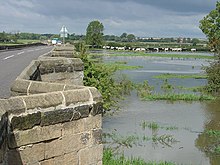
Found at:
(124, 35)
(94, 33)
(3, 37)
(210, 25)
(195, 41)
(131, 37)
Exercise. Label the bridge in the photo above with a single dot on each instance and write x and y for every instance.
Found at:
(51, 118)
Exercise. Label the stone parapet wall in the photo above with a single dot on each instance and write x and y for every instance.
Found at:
(67, 51)
(50, 121)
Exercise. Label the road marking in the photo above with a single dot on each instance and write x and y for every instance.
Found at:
(30, 50)
(20, 53)
(8, 57)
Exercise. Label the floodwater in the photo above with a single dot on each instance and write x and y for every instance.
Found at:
(180, 133)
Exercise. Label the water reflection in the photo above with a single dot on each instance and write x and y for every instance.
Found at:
(207, 143)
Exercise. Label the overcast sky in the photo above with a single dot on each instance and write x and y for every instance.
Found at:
(144, 18)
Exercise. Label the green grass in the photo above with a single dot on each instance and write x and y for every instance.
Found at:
(109, 158)
(175, 97)
(20, 42)
(213, 133)
(155, 126)
(28, 41)
(122, 66)
(185, 76)
(159, 55)
(194, 89)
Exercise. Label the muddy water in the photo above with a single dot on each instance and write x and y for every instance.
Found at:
(179, 136)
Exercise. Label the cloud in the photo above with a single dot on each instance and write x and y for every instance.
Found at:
(140, 17)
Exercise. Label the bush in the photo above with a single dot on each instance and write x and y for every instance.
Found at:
(100, 76)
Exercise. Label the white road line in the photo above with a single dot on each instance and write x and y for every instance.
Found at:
(8, 57)
(20, 53)
(30, 50)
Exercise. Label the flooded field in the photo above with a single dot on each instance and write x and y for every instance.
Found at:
(162, 130)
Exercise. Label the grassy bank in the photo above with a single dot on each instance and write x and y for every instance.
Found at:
(199, 56)
(122, 66)
(168, 76)
(175, 97)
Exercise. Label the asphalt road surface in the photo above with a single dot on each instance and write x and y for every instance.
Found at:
(13, 62)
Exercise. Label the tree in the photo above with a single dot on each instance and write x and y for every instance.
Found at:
(94, 33)
(130, 37)
(195, 41)
(210, 25)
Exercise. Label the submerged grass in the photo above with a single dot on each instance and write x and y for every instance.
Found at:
(122, 66)
(109, 158)
(168, 75)
(175, 97)
(155, 126)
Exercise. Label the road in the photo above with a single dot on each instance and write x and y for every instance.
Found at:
(13, 62)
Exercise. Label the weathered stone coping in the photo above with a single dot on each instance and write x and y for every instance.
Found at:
(50, 65)
(59, 99)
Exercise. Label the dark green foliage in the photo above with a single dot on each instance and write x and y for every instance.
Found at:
(210, 25)
(213, 77)
(100, 76)
(94, 33)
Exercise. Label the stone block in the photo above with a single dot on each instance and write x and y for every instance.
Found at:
(73, 127)
(13, 105)
(65, 145)
(32, 153)
(76, 96)
(20, 86)
(72, 143)
(60, 68)
(93, 122)
(91, 155)
(34, 135)
(97, 97)
(54, 148)
(71, 87)
(45, 70)
(59, 116)
(26, 154)
(47, 100)
(84, 110)
(26, 122)
(67, 159)
(97, 109)
(45, 87)
(97, 136)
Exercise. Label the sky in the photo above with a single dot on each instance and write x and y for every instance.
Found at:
(143, 18)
